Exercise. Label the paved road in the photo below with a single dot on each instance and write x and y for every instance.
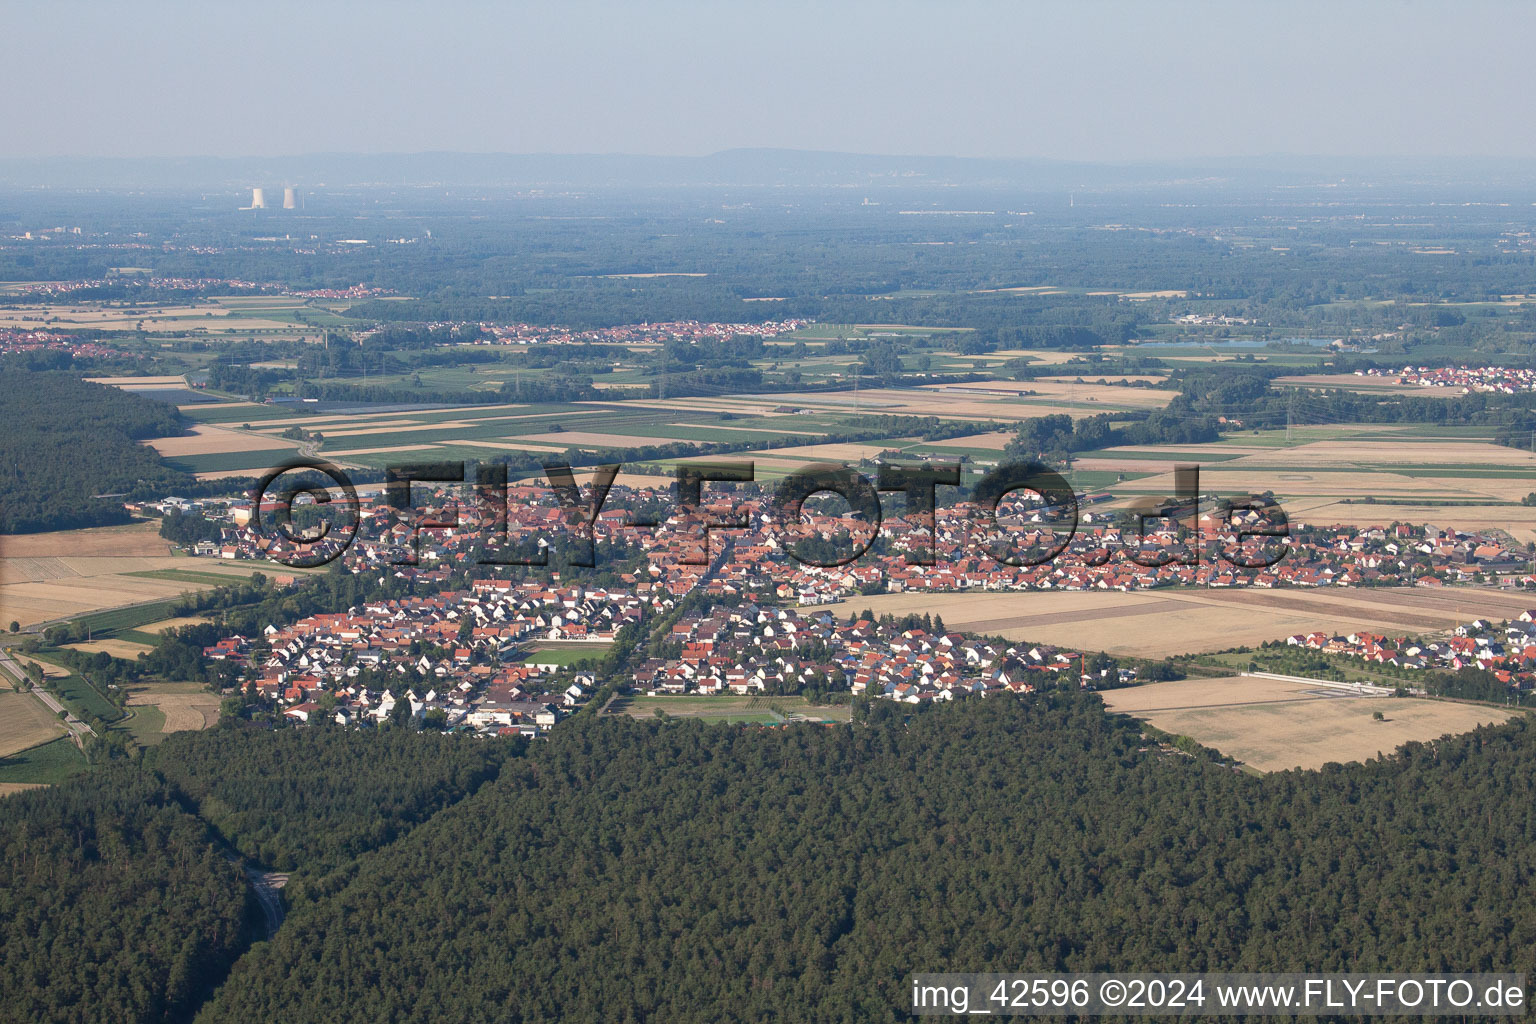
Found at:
(78, 728)
(267, 886)
(1358, 689)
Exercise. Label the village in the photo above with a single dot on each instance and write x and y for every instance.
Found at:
(1507, 650)
(1503, 380)
(474, 655)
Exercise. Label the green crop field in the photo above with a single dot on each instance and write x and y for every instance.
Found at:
(80, 696)
(145, 723)
(223, 412)
(127, 618)
(729, 707)
(47, 764)
(221, 462)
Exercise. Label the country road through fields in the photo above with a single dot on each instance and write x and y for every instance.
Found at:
(76, 727)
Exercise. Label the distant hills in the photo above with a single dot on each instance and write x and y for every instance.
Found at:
(734, 167)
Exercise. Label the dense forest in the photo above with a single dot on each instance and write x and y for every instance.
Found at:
(496, 255)
(115, 903)
(68, 442)
(122, 896)
(635, 871)
(315, 799)
(675, 870)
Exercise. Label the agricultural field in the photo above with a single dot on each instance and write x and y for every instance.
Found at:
(164, 708)
(25, 722)
(42, 765)
(78, 695)
(984, 400)
(1166, 621)
(48, 576)
(156, 628)
(1363, 385)
(732, 709)
(374, 440)
(1341, 475)
(225, 318)
(1274, 725)
(125, 649)
(206, 439)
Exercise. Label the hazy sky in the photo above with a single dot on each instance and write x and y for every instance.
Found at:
(1072, 80)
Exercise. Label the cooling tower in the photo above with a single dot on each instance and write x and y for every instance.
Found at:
(258, 199)
(290, 199)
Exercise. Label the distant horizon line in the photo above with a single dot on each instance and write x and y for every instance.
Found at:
(1149, 161)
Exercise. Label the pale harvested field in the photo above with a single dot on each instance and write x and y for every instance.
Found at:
(25, 722)
(381, 451)
(50, 670)
(125, 649)
(183, 711)
(142, 538)
(570, 438)
(1167, 293)
(491, 414)
(1059, 390)
(759, 460)
(1123, 465)
(636, 480)
(93, 583)
(754, 430)
(1164, 622)
(997, 439)
(1193, 450)
(222, 405)
(49, 575)
(462, 414)
(1519, 521)
(851, 451)
(168, 624)
(227, 474)
(949, 405)
(1408, 451)
(511, 444)
(1306, 482)
(140, 382)
(206, 439)
(161, 318)
(1045, 357)
(361, 426)
(1095, 378)
(400, 427)
(1364, 385)
(748, 405)
(7, 788)
(1274, 725)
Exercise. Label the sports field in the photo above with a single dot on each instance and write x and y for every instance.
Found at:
(1272, 724)
(562, 654)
